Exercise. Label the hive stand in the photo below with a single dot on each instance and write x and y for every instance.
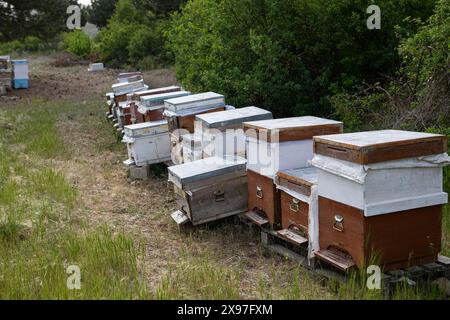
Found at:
(138, 173)
(279, 244)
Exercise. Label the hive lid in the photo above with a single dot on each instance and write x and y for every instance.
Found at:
(129, 87)
(292, 129)
(146, 128)
(138, 94)
(21, 61)
(160, 97)
(234, 117)
(302, 176)
(379, 146)
(201, 100)
(187, 173)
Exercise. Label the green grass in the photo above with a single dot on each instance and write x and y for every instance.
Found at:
(199, 278)
(43, 228)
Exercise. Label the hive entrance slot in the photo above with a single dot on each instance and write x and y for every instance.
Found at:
(292, 236)
(256, 217)
(337, 258)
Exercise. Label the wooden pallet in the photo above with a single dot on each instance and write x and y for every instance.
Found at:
(276, 242)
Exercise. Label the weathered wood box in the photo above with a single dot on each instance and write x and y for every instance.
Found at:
(281, 144)
(380, 198)
(147, 143)
(299, 206)
(222, 132)
(185, 122)
(209, 189)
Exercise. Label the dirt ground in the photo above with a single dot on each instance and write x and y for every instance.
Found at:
(142, 209)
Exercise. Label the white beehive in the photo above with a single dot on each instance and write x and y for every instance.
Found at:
(281, 144)
(385, 186)
(147, 143)
(222, 132)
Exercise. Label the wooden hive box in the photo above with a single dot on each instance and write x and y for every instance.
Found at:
(207, 100)
(185, 121)
(151, 107)
(222, 132)
(209, 189)
(380, 197)
(181, 112)
(273, 146)
(134, 99)
(147, 143)
(298, 204)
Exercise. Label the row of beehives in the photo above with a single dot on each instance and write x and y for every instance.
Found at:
(13, 74)
(349, 198)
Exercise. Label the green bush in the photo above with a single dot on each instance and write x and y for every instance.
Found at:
(142, 43)
(445, 131)
(114, 41)
(417, 98)
(10, 47)
(32, 44)
(132, 37)
(78, 43)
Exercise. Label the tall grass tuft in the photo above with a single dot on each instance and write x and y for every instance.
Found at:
(199, 278)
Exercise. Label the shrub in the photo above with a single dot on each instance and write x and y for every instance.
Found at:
(32, 44)
(134, 37)
(10, 47)
(114, 41)
(78, 43)
(288, 56)
(417, 98)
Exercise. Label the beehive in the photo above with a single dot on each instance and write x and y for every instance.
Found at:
(210, 189)
(273, 146)
(299, 214)
(222, 132)
(147, 143)
(380, 197)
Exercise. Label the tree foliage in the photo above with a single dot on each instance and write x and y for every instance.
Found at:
(418, 97)
(288, 56)
(159, 6)
(101, 11)
(40, 18)
(78, 43)
(133, 36)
